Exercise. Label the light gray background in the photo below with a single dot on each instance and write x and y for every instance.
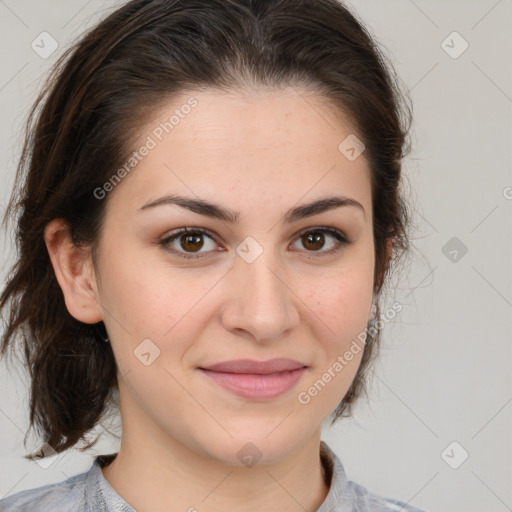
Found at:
(445, 369)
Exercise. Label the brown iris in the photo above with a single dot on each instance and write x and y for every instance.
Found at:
(194, 242)
(313, 238)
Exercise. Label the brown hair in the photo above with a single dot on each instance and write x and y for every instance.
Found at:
(80, 129)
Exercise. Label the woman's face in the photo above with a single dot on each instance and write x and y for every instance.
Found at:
(266, 285)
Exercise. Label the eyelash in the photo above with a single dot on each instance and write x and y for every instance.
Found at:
(338, 235)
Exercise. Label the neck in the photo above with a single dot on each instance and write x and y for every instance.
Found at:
(153, 471)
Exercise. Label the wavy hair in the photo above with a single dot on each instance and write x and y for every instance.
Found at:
(80, 130)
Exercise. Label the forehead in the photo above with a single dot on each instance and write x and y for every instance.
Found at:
(244, 147)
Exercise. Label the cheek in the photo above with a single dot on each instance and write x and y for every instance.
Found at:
(343, 299)
(173, 305)
(136, 293)
(341, 309)
(341, 305)
(167, 306)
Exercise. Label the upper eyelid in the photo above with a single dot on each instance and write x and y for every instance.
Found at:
(192, 229)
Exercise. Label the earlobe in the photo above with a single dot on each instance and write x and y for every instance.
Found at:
(74, 272)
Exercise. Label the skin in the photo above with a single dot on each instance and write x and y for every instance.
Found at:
(259, 154)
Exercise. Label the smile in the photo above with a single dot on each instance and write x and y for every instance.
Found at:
(256, 386)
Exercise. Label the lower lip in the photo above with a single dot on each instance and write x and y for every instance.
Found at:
(250, 385)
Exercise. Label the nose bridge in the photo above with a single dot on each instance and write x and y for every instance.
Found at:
(262, 303)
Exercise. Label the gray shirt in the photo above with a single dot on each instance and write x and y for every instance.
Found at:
(90, 492)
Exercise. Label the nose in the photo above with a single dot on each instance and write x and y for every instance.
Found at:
(261, 301)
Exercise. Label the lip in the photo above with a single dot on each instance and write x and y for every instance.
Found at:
(256, 380)
(276, 365)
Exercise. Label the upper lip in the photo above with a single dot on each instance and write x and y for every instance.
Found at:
(257, 367)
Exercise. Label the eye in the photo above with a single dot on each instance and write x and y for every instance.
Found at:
(314, 240)
(191, 241)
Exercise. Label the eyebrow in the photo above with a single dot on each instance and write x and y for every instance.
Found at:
(202, 207)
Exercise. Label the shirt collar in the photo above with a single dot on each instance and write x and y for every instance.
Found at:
(100, 496)
(338, 498)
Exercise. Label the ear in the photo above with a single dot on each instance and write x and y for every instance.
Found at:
(74, 272)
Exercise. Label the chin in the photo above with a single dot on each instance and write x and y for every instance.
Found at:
(250, 446)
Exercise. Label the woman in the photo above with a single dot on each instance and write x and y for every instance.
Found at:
(210, 205)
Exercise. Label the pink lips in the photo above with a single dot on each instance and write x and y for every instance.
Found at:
(256, 379)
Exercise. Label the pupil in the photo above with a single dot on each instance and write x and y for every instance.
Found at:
(193, 239)
(315, 238)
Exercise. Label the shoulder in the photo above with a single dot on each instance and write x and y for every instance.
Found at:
(366, 501)
(347, 496)
(66, 496)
